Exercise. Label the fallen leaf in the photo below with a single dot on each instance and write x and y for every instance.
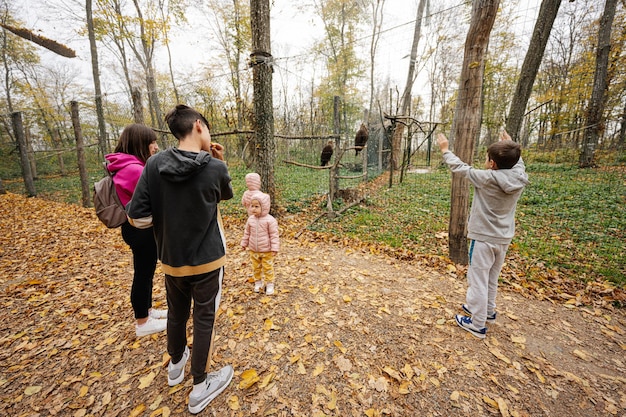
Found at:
(146, 380)
(33, 389)
(233, 402)
(318, 370)
(248, 378)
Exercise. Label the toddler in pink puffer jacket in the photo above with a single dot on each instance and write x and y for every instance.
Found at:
(253, 182)
(262, 240)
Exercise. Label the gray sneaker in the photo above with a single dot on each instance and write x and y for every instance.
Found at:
(214, 384)
(176, 372)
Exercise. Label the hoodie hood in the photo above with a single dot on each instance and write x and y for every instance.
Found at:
(510, 180)
(119, 160)
(178, 166)
(264, 200)
(253, 181)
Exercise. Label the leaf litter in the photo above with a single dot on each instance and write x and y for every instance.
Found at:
(352, 330)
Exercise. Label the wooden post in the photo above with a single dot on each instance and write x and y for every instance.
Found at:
(18, 130)
(80, 155)
(336, 129)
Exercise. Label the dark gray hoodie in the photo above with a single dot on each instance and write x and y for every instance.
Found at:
(496, 191)
(179, 192)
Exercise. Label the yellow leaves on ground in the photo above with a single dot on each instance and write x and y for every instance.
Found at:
(248, 378)
(33, 389)
(233, 403)
(137, 411)
(318, 369)
(146, 380)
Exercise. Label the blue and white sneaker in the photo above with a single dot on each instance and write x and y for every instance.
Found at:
(465, 323)
(491, 318)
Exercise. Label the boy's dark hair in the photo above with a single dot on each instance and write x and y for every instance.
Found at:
(504, 153)
(135, 140)
(181, 119)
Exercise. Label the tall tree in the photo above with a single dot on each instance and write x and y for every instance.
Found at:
(95, 70)
(341, 20)
(261, 60)
(466, 123)
(594, 119)
(231, 26)
(406, 95)
(377, 10)
(530, 67)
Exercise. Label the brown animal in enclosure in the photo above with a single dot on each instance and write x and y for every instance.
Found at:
(327, 152)
(361, 138)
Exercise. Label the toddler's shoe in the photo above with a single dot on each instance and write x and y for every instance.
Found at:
(269, 290)
(491, 317)
(465, 323)
(257, 286)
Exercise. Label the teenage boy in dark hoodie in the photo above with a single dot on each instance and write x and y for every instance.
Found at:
(178, 193)
(491, 224)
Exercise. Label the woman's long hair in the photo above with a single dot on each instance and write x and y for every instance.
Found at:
(135, 140)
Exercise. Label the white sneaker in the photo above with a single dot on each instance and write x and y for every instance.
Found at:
(258, 285)
(269, 289)
(211, 387)
(150, 326)
(157, 314)
(176, 371)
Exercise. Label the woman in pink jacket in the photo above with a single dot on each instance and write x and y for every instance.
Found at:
(261, 239)
(136, 144)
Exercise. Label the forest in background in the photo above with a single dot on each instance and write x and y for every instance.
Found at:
(134, 47)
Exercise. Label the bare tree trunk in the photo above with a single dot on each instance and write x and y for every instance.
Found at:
(153, 96)
(80, 154)
(169, 53)
(103, 144)
(18, 131)
(622, 131)
(466, 124)
(31, 154)
(406, 96)
(137, 106)
(378, 7)
(595, 119)
(261, 59)
(532, 61)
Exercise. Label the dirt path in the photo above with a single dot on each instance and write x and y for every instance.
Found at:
(349, 333)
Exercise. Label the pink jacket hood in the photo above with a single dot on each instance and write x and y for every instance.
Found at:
(253, 182)
(126, 170)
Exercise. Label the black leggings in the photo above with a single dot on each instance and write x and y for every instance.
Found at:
(143, 246)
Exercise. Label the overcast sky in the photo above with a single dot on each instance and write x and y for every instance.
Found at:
(293, 33)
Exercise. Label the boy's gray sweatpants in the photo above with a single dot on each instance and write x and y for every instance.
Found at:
(486, 260)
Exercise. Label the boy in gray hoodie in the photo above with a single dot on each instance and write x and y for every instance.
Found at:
(491, 224)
